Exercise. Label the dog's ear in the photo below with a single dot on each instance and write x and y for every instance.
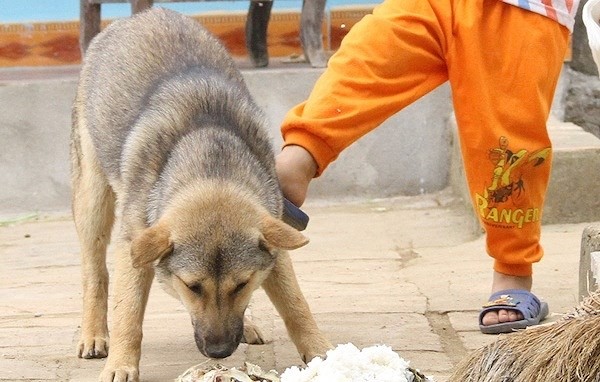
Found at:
(278, 234)
(152, 244)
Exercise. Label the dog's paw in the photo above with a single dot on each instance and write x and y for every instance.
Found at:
(93, 347)
(317, 347)
(120, 373)
(252, 335)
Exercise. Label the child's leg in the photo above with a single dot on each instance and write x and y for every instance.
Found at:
(504, 64)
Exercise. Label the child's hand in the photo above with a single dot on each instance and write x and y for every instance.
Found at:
(295, 168)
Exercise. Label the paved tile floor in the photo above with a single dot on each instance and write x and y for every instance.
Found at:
(406, 272)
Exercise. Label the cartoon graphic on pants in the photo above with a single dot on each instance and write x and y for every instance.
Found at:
(507, 179)
(500, 203)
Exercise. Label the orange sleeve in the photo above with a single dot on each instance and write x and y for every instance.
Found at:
(388, 60)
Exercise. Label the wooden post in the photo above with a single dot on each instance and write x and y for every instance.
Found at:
(311, 34)
(257, 24)
(89, 23)
(141, 5)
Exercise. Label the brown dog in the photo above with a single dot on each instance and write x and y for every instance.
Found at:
(165, 128)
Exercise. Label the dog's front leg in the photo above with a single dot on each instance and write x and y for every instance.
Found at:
(282, 288)
(132, 286)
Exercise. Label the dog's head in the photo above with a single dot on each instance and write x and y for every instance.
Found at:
(212, 251)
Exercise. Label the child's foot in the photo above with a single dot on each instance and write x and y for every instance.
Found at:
(503, 282)
(530, 308)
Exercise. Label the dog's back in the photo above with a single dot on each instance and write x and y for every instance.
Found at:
(152, 80)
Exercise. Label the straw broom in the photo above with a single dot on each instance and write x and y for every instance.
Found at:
(567, 350)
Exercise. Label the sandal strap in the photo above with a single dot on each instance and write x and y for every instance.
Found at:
(515, 299)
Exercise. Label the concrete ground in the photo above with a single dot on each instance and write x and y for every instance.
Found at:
(406, 272)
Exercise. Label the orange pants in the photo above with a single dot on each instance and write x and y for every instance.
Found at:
(502, 63)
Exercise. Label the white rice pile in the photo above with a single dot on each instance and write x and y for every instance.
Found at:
(346, 363)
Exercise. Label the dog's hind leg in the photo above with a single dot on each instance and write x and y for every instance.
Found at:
(282, 288)
(93, 211)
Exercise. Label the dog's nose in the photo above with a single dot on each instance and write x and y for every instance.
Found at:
(219, 350)
(218, 342)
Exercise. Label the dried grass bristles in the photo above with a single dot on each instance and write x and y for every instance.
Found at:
(566, 351)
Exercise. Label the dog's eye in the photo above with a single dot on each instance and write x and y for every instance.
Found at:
(239, 288)
(196, 288)
(263, 246)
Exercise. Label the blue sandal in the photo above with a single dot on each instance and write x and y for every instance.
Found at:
(525, 302)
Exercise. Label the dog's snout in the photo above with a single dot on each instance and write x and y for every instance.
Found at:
(216, 346)
(220, 350)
